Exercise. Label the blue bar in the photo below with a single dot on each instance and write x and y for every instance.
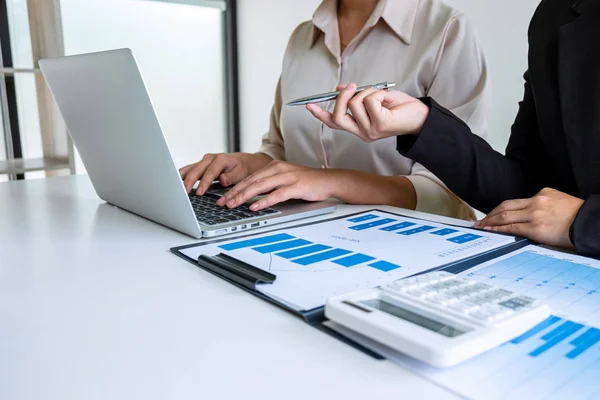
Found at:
(327, 255)
(469, 237)
(354, 259)
(372, 224)
(551, 320)
(556, 336)
(363, 218)
(384, 266)
(395, 227)
(272, 248)
(444, 232)
(584, 342)
(257, 242)
(416, 230)
(302, 251)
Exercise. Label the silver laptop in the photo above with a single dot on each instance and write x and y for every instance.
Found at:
(109, 114)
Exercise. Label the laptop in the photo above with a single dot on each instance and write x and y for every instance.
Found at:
(110, 117)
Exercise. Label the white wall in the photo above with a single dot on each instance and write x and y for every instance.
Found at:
(502, 27)
(265, 26)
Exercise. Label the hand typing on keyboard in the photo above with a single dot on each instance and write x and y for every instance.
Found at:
(283, 181)
(209, 213)
(228, 168)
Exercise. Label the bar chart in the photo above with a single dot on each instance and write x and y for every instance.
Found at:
(409, 228)
(314, 262)
(304, 252)
(559, 359)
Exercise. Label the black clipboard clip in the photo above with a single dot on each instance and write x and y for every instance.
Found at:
(248, 276)
(235, 270)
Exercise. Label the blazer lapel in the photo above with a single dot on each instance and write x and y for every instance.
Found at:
(579, 86)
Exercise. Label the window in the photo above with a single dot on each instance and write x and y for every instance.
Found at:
(186, 53)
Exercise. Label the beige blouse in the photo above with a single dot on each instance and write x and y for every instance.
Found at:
(425, 46)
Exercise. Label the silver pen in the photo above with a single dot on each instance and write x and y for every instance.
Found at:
(319, 98)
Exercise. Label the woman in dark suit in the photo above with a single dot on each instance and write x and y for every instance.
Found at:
(547, 186)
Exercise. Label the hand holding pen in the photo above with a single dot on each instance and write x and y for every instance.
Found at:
(373, 114)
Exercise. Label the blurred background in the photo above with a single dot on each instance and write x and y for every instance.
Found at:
(211, 67)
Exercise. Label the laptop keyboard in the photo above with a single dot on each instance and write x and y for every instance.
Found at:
(209, 213)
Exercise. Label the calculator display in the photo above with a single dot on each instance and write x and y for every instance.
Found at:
(417, 319)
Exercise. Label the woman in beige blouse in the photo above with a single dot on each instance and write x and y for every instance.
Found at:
(426, 47)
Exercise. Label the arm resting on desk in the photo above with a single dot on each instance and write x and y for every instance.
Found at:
(585, 231)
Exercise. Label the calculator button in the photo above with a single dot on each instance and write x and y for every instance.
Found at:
(472, 308)
(525, 300)
(508, 312)
(505, 293)
(464, 308)
(482, 287)
(441, 275)
(517, 303)
(439, 286)
(455, 297)
(498, 294)
(483, 317)
(460, 307)
(465, 292)
(419, 293)
(410, 283)
(447, 301)
(399, 287)
(496, 311)
(438, 299)
(427, 295)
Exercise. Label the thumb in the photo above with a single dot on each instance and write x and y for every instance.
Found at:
(233, 176)
(393, 98)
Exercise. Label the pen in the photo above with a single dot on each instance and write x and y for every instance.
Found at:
(319, 98)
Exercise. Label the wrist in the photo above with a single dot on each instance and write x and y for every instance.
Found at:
(336, 182)
(571, 232)
(421, 115)
(255, 161)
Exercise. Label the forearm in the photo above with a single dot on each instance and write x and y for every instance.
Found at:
(464, 162)
(255, 162)
(355, 187)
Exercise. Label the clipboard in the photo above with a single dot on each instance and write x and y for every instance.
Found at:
(247, 277)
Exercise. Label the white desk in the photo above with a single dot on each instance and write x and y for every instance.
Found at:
(93, 306)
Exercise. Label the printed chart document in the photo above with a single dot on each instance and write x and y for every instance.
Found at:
(559, 359)
(315, 262)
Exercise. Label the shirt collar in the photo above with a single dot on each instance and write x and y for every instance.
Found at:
(400, 15)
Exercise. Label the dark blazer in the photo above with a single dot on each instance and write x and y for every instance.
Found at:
(555, 140)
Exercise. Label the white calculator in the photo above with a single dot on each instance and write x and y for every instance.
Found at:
(439, 318)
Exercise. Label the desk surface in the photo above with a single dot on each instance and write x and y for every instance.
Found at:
(93, 306)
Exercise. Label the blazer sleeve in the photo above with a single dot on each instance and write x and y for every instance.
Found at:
(585, 230)
(469, 166)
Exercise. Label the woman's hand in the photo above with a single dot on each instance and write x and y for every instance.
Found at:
(375, 114)
(545, 218)
(283, 181)
(228, 168)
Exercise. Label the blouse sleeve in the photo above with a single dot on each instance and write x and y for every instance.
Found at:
(459, 83)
